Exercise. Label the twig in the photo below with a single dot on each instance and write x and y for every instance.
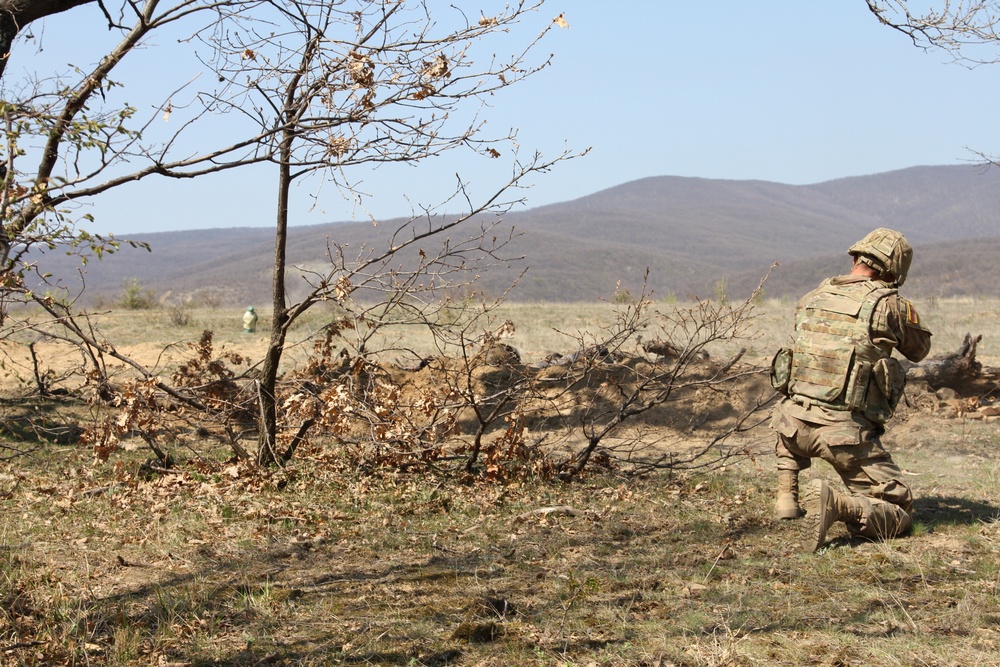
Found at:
(14, 647)
(717, 559)
(545, 511)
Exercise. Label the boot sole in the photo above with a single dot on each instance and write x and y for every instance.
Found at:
(818, 501)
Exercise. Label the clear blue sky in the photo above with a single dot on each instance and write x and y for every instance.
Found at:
(788, 91)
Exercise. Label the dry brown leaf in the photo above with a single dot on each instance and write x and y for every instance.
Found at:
(437, 68)
(561, 21)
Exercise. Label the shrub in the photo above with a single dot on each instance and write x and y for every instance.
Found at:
(180, 315)
(135, 297)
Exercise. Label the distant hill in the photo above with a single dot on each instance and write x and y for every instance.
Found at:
(693, 235)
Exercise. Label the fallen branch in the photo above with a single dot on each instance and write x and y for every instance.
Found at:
(958, 370)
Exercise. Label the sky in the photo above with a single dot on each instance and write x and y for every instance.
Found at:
(781, 90)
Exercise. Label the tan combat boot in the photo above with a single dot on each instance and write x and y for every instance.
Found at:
(824, 507)
(786, 505)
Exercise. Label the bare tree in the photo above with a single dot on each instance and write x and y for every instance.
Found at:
(68, 139)
(328, 90)
(345, 86)
(967, 30)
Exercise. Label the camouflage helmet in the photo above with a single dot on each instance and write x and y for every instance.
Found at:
(885, 250)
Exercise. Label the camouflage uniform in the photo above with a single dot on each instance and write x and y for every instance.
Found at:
(843, 386)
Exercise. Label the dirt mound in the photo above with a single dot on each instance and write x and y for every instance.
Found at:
(565, 401)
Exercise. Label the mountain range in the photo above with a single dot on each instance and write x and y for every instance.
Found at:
(696, 236)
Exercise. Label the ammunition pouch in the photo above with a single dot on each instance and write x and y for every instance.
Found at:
(888, 380)
(856, 391)
(781, 370)
(874, 389)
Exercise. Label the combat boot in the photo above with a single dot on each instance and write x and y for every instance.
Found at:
(824, 507)
(786, 505)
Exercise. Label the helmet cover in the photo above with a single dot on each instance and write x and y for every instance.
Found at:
(885, 250)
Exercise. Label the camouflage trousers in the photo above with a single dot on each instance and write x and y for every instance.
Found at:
(855, 451)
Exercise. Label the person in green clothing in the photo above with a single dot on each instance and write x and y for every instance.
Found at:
(250, 320)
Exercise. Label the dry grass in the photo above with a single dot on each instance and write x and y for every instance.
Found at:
(318, 564)
(540, 329)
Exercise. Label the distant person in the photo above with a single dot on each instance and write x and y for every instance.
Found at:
(841, 385)
(250, 320)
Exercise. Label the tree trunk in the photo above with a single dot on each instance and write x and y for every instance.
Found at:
(292, 108)
(267, 446)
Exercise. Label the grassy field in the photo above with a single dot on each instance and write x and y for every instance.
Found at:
(540, 328)
(215, 563)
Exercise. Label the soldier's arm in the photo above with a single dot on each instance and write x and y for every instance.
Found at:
(897, 322)
(915, 337)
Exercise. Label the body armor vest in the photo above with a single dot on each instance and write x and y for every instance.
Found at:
(834, 362)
